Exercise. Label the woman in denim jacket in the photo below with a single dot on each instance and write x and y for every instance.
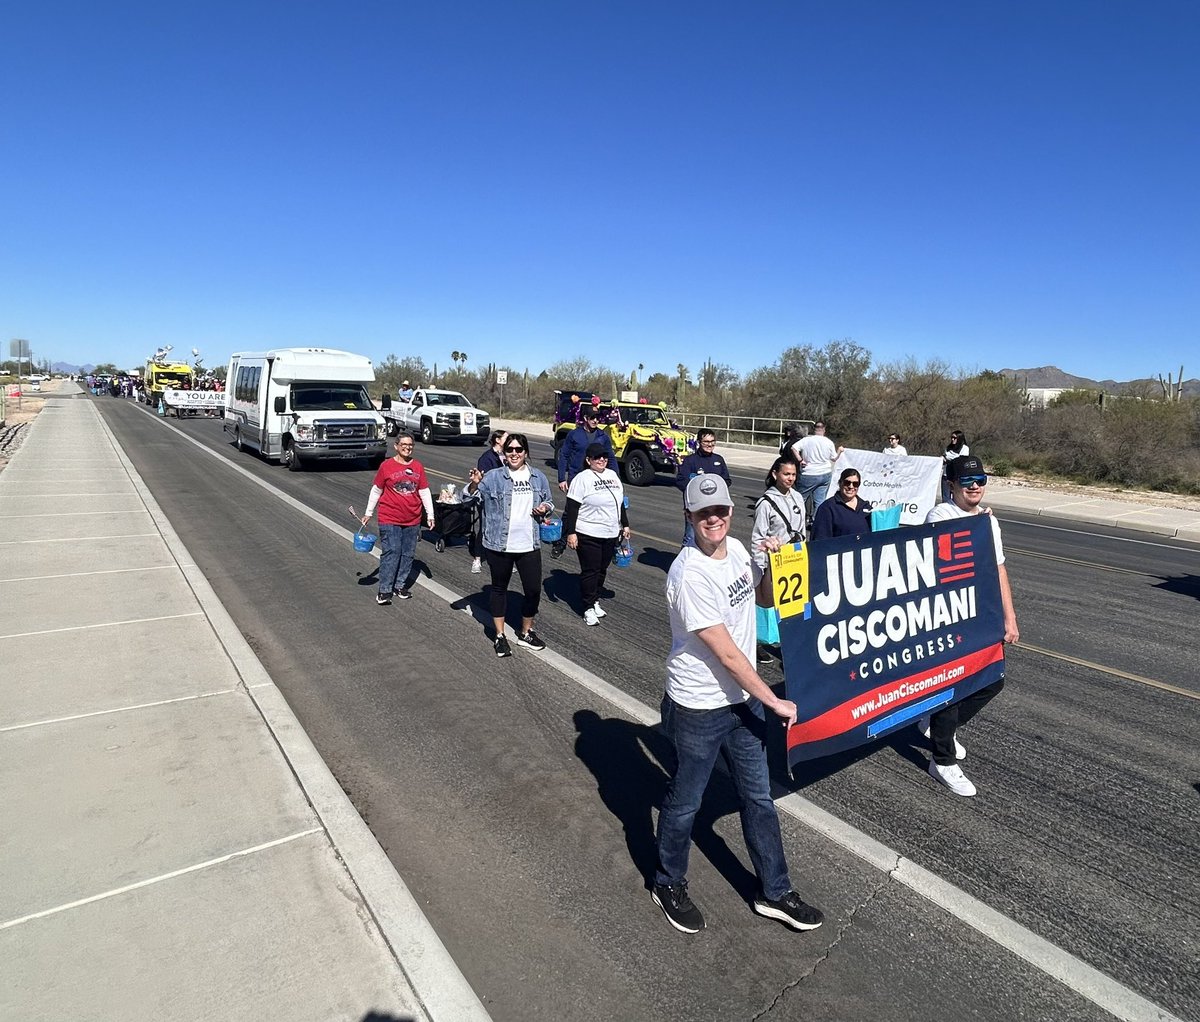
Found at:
(514, 497)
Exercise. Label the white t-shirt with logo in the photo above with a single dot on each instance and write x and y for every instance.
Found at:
(520, 519)
(599, 495)
(702, 592)
(947, 510)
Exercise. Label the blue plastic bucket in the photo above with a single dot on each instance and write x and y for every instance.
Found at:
(623, 556)
(550, 530)
(364, 541)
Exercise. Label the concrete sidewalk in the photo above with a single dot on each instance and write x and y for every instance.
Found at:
(1002, 494)
(174, 847)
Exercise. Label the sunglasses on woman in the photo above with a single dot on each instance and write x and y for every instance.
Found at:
(513, 450)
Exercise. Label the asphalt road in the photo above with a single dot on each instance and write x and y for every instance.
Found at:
(518, 806)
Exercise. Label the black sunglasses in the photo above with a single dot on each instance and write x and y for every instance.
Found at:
(513, 450)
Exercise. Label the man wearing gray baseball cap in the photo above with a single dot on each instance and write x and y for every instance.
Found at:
(714, 702)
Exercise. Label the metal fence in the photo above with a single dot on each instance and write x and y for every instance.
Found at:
(754, 430)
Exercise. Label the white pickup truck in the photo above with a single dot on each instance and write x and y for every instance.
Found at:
(436, 415)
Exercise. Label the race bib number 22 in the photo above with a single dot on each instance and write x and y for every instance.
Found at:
(789, 575)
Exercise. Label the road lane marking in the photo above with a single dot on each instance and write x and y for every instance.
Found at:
(103, 624)
(81, 574)
(160, 878)
(1115, 672)
(116, 709)
(1119, 1000)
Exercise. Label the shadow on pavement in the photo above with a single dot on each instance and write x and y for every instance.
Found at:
(385, 1016)
(632, 764)
(652, 557)
(1181, 585)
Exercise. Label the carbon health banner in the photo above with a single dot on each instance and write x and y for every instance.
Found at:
(913, 481)
(877, 630)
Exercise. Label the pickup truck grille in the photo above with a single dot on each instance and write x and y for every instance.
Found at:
(455, 418)
(347, 430)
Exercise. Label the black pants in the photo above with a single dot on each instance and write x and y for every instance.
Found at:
(529, 568)
(595, 555)
(944, 723)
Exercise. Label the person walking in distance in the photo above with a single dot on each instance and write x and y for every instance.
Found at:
(704, 460)
(715, 703)
(492, 458)
(594, 520)
(816, 454)
(968, 481)
(401, 493)
(956, 447)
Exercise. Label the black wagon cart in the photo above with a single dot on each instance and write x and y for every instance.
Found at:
(450, 520)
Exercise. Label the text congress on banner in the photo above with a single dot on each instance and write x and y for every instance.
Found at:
(879, 629)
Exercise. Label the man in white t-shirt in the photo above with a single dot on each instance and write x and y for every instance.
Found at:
(967, 480)
(715, 702)
(895, 447)
(816, 454)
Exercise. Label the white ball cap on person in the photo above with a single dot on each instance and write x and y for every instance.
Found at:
(706, 491)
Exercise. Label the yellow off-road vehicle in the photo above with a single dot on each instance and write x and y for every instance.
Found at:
(644, 439)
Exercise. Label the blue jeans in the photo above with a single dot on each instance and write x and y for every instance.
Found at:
(738, 732)
(396, 560)
(689, 530)
(815, 486)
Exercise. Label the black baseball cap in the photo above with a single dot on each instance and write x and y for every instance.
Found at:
(965, 466)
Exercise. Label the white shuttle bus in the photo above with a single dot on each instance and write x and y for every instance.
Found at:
(300, 405)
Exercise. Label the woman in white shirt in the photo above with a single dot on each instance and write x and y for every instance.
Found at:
(594, 520)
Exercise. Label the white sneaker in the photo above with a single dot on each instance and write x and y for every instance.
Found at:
(960, 750)
(953, 778)
(476, 567)
(599, 610)
(590, 617)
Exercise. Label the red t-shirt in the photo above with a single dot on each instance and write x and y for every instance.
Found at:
(400, 503)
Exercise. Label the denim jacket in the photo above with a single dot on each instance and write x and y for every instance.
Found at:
(495, 494)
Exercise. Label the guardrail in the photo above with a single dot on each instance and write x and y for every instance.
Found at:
(754, 430)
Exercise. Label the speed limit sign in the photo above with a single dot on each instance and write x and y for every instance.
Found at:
(502, 376)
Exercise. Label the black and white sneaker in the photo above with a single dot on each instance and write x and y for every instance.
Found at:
(384, 600)
(502, 647)
(680, 910)
(404, 594)
(790, 911)
(530, 639)
(557, 548)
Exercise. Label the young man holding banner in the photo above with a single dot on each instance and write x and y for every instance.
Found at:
(967, 480)
(714, 703)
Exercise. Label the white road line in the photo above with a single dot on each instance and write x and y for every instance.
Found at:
(79, 514)
(105, 493)
(117, 709)
(104, 624)
(159, 879)
(76, 539)
(81, 574)
(1076, 975)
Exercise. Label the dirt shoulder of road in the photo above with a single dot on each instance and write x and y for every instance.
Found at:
(20, 410)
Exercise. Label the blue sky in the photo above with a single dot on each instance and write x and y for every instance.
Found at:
(996, 184)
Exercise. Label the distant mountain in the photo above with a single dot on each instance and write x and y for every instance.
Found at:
(1052, 376)
(66, 367)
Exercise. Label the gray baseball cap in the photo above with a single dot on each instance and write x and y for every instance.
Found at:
(706, 491)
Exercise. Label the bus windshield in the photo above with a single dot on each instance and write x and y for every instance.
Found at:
(330, 397)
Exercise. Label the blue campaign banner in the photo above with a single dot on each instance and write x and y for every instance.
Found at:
(891, 626)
